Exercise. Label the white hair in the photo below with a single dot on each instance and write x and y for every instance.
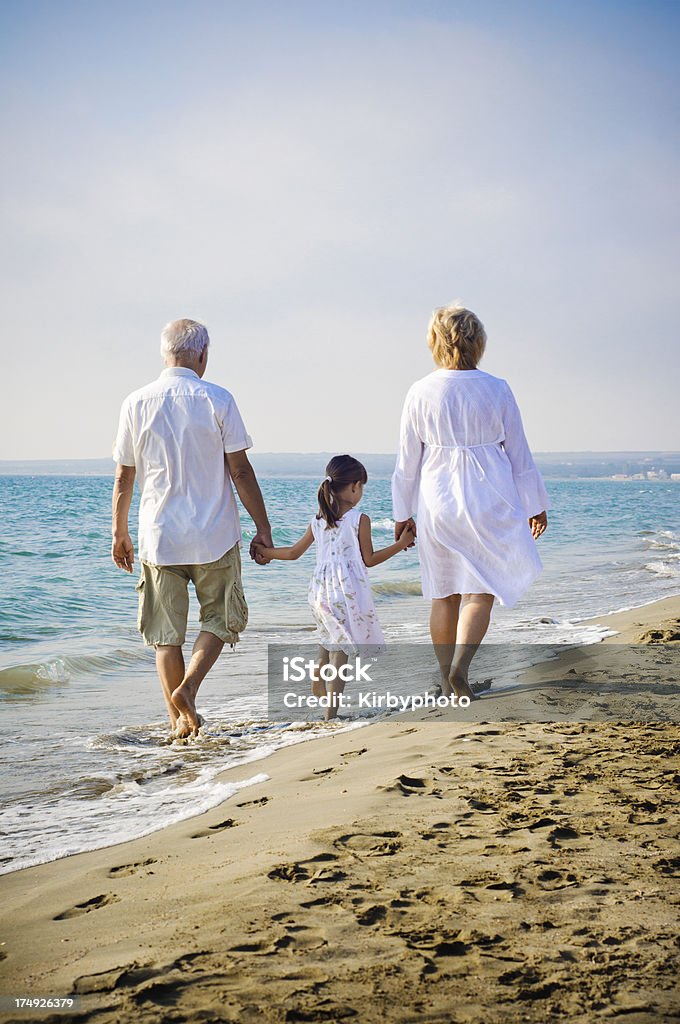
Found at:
(184, 338)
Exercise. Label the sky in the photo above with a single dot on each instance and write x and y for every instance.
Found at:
(310, 180)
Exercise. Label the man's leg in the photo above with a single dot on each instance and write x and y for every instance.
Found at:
(170, 668)
(443, 625)
(162, 621)
(473, 622)
(207, 650)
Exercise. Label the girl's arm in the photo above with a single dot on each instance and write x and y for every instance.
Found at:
(290, 554)
(372, 557)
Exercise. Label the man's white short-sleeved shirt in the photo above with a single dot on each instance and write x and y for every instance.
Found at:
(175, 432)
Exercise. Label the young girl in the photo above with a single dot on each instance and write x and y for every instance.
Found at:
(339, 591)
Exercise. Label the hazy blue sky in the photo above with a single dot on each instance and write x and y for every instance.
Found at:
(311, 179)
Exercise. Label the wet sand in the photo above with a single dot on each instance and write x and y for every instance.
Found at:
(490, 870)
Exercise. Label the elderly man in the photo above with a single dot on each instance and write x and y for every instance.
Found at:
(185, 441)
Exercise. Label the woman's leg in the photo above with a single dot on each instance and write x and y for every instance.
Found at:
(473, 622)
(443, 625)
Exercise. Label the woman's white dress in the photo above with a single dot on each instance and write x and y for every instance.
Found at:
(465, 470)
(339, 591)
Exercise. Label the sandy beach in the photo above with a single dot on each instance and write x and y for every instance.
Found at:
(495, 870)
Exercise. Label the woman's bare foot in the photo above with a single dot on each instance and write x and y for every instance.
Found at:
(460, 687)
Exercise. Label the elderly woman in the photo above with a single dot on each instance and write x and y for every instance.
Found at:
(465, 469)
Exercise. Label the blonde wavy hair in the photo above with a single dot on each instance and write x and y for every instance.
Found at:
(456, 337)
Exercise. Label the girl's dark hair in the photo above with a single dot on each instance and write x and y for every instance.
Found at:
(342, 470)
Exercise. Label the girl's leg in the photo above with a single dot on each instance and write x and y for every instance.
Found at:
(318, 685)
(443, 625)
(336, 686)
(473, 622)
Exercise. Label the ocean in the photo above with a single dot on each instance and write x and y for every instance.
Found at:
(83, 756)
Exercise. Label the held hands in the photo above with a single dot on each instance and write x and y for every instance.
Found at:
(260, 555)
(123, 552)
(260, 542)
(407, 526)
(538, 524)
(407, 538)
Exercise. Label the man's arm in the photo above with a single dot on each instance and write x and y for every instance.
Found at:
(248, 489)
(122, 549)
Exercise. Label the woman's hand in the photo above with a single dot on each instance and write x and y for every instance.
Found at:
(538, 524)
(405, 524)
(408, 537)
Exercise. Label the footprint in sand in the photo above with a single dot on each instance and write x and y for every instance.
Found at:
(372, 915)
(260, 802)
(561, 833)
(308, 871)
(115, 977)
(212, 829)
(318, 773)
(301, 939)
(668, 866)
(85, 908)
(550, 878)
(123, 870)
(354, 753)
(410, 786)
(376, 844)
(491, 887)
(329, 902)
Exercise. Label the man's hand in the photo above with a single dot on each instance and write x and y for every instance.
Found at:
(123, 552)
(402, 525)
(263, 539)
(259, 550)
(538, 524)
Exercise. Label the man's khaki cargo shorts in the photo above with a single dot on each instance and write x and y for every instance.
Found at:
(164, 600)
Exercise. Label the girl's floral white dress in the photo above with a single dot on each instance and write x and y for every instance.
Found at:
(339, 591)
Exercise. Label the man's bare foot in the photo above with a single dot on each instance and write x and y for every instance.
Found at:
(184, 730)
(184, 700)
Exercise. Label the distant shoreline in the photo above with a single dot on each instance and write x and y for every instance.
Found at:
(621, 467)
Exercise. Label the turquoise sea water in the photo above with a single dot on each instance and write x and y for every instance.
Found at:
(82, 757)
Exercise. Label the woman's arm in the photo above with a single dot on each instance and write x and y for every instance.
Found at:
(407, 470)
(290, 554)
(372, 557)
(528, 480)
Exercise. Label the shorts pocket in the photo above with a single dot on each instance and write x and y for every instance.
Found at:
(237, 609)
(140, 607)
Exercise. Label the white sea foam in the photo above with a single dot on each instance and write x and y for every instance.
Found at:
(126, 811)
